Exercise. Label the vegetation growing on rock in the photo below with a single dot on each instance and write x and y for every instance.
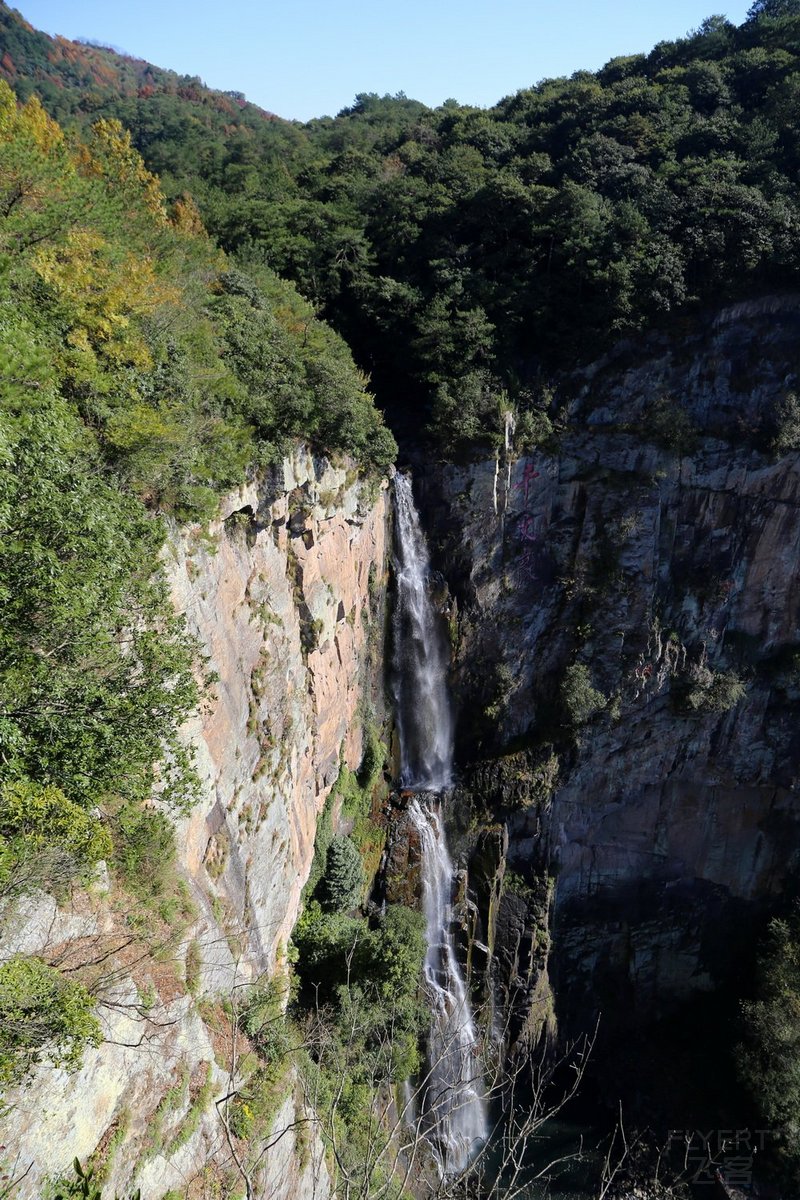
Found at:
(43, 1015)
(469, 256)
(141, 376)
(46, 840)
(702, 690)
(579, 698)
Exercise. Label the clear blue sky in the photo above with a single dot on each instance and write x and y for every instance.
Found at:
(306, 58)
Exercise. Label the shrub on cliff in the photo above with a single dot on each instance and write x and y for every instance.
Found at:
(333, 948)
(706, 691)
(769, 1059)
(580, 700)
(786, 435)
(45, 839)
(83, 1185)
(144, 850)
(42, 1015)
(356, 790)
(263, 1019)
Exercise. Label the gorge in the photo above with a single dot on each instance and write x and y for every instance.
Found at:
(654, 869)
(329, 804)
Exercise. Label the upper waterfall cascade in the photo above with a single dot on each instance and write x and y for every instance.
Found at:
(454, 1102)
(422, 703)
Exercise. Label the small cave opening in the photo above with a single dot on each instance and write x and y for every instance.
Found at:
(242, 523)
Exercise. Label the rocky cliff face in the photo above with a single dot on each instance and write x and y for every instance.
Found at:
(280, 595)
(282, 601)
(649, 801)
(627, 667)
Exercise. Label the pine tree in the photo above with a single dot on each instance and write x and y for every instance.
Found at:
(344, 875)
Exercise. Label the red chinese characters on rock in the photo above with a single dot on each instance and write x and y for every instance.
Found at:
(526, 529)
(529, 473)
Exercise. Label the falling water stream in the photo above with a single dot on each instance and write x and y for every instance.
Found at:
(422, 701)
(454, 1103)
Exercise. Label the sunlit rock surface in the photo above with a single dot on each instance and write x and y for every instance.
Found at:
(281, 593)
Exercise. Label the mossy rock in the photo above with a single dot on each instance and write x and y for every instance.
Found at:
(515, 782)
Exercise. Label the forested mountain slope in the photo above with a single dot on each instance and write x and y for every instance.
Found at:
(139, 372)
(470, 254)
(186, 651)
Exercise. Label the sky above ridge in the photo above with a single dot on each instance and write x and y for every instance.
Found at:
(311, 57)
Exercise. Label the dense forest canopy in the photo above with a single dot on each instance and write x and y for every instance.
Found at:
(469, 255)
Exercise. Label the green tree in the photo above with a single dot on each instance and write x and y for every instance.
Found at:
(579, 698)
(95, 669)
(773, 9)
(396, 951)
(462, 253)
(46, 840)
(344, 875)
(327, 944)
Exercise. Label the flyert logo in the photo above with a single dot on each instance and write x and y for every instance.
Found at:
(719, 1156)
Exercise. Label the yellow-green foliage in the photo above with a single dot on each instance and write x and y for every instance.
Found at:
(138, 373)
(45, 839)
(43, 1014)
(187, 371)
(102, 1162)
(40, 814)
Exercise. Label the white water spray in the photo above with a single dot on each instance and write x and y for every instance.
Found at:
(455, 1107)
(454, 1103)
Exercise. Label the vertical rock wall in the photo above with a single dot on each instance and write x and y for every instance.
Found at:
(280, 597)
(655, 542)
(282, 594)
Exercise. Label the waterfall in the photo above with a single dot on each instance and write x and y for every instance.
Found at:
(455, 1109)
(422, 704)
